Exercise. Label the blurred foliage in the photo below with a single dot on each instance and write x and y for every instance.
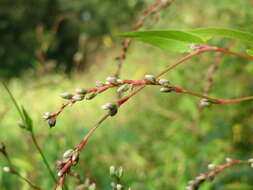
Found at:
(45, 33)
(162, 141)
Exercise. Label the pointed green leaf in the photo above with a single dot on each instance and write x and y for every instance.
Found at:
(27, 120)
(167, 44)
(170, 40)
(208, 33)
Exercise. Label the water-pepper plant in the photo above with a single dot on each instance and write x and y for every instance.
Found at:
(188, 44)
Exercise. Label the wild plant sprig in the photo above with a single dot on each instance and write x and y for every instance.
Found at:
(214, 171)
(150, 79)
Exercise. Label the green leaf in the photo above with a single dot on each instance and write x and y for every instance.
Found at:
(170, 40)
(208, 33)
(27, 120)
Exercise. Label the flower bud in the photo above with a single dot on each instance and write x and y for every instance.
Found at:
(51, 122)
(68, 153)
(150, 78)
(99, 84)
(7, 169)
(251, 165)
(21, 124)
(82, 91)
(188, 188)
(59, 174)
(228, 160)
(46, 115)
(78, 97)
(205, 102)
(90, 96)
(120, 172)
(111, 80)
(59, 164)
(164, 82)
(112, 171)
(191, 182)
(119, 187)
(75, 157)
(113, 185)
(200, 178)
(123, 88)
(211, 166)
(166, 89)
(66, 95)
(112, 107)
(250, 160)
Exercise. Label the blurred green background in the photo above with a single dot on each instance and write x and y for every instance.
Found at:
(51, 46)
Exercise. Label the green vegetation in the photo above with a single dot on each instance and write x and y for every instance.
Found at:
(161, 140)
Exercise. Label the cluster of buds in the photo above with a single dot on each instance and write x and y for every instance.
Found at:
(113, 80)
(111, 107)
(166, 86)
(193, 184)
(69, 155)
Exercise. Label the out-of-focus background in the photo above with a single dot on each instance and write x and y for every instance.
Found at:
(51, 46)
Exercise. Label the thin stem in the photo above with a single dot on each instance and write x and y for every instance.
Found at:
(26, 180)
(43, 156)
(14, 101)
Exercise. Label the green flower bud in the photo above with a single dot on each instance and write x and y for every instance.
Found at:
(82, 91)
(150, 78)
(66, 95)
(91, 96)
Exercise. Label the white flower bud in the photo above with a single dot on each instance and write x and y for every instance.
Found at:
(6, 169)
(111, 80)
(164, 82)
(46, 115)
(78, 97)
(66, 95)
(205, 102)
(123, 88)
(68, 153)
(82, 91)
(165, 89)
(150, 78)
(211, 166)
